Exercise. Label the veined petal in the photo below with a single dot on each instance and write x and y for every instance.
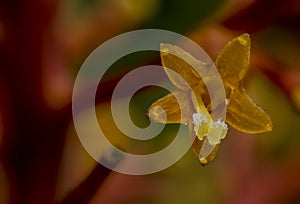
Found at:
(207, 152)
(167, 109)
(204, 151)
(244, 115)
(182, 66)
(233, 61)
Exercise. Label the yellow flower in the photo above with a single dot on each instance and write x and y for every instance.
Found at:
(242, 113)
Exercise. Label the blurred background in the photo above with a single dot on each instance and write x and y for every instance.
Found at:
(42, 46)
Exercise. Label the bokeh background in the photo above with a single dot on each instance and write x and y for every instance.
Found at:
(42, 46)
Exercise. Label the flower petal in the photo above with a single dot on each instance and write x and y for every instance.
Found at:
(207, 152)
(167, 109)
(204, 151)
(233, 61)
(182, 66)
(244, 115)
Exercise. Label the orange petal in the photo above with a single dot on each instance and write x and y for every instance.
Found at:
(205, 152)
(233, 61)
(244, 115)
(186, 76)
(167, 109)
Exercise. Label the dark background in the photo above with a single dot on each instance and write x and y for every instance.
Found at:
(42, 46)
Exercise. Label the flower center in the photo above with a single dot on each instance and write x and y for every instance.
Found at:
(206, 127)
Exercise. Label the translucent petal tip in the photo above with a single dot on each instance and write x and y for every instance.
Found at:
(244, 39)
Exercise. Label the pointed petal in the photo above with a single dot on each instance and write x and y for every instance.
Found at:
(180, 65)
(207, 152)
(233, 61)
(244, 115)
(167, 109)
(204, 151)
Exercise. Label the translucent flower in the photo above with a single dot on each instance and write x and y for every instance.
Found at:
(242, 113)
